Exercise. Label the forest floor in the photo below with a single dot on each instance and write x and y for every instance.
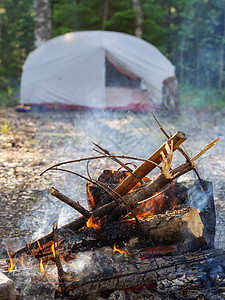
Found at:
(31, 142)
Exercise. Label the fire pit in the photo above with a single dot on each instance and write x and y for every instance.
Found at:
(139, 233)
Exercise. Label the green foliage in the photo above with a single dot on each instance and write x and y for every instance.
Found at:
(206, 99)
(9, 97)
(155, 27)
(16, 38)
(88, 15)
(75, 15)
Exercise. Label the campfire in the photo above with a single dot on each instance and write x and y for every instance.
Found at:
(140, 231)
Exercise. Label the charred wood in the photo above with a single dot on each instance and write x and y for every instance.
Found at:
(111, 208)
(178, 227)
(183, 228)
(131, 271)
(133, 199)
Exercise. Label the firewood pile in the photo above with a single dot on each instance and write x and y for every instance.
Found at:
(155, 234)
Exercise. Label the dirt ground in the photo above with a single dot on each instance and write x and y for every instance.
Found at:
(31, 142)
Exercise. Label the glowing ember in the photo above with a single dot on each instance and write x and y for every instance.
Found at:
(11, 262)
(90, 223)
(42, 270)
(162, 250)
(53, 249)
(90, 197)
(125, 251)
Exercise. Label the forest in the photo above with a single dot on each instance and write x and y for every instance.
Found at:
(190, 33)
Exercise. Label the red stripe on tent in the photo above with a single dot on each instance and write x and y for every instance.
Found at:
(139, 107)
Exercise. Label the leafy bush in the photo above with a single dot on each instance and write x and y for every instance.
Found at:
(9, 97)
(200, 98)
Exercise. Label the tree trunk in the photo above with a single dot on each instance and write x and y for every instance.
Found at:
(106, 13)
(42, 21)
(207, 72)
(181, 75)
(139, 18)
(221, 62)
(171, 99)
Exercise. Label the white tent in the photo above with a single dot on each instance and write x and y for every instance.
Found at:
(72, 69)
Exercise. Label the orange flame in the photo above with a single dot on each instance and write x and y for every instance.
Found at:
(39, 245)
(11, 262)
(90, 223)
(91, 199)
(42, 270)
(115, 249)
(145, 180)
(53, 249)
(157, 204)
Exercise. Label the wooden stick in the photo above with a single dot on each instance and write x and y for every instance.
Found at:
(112, 209)
(117, 161)
(129, 182)
(56, 247)
(76, 205)
(156, 185)
(179, 148)
(113, 158)
(132, 198)
(206, 148)
(55, 167)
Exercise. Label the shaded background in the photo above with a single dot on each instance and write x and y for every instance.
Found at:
(190, 33)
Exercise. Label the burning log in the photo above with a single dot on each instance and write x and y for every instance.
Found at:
(178, 227)
(113, 211)
(182, 227)
(106, 225)
(140, 194)
(140, 269)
